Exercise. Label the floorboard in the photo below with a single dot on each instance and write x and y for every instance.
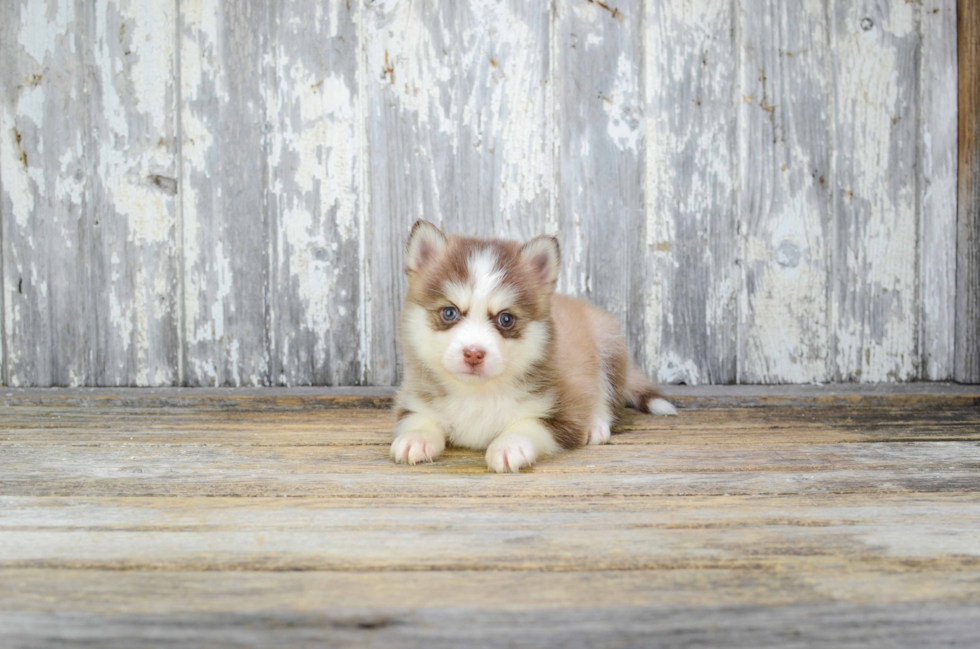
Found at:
(128, 521)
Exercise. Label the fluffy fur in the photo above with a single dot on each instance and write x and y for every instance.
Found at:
(495, 360)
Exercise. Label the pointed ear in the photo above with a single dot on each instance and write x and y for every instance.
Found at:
(544, 256)
(425, 244)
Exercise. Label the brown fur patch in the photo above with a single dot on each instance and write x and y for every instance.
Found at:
(641, 400)
(428, 288)
(639, 391)
(615, 365)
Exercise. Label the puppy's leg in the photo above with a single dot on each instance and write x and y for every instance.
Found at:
(612, 387)
(598, 432)
(417, 439)
(519, 446)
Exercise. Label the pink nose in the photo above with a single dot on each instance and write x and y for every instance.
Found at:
(474, 356)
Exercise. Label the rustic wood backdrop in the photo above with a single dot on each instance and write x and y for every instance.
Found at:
(198, 192)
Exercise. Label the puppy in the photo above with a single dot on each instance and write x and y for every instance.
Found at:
(495, 360)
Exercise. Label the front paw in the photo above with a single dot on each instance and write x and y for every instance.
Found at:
(598, 432)
(416, 446)
(510, 454)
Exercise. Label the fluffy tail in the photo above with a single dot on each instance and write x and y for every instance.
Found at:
(642, 395)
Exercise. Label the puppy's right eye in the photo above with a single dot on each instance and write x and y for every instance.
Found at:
(449, 314)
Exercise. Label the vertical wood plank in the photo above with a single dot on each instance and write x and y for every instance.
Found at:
(226, 69)
(967, 369)
(134, 251)
(503, 120)
(411, 88)
(315, 195)
(4, 381)
(87, 149)
(690, 245)
(44, 261)
(601, 195)
(5, 32)
(875, 301)
(937, 188)
(785, 146)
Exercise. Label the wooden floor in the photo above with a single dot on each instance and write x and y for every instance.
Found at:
(243, 519)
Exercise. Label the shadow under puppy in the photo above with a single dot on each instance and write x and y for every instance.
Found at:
(495, 360)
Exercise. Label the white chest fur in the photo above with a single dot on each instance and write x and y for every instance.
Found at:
(474, 418)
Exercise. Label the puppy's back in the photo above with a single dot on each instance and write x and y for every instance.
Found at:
(590, 362)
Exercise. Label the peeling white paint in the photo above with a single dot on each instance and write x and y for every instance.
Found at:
(401, 39)
(784, 196)
(16, 180)
(224, 276)
(938, 126)
(674, 368)
(503, 106)
(149, 39)
(324, 142)
(40, 27)
(365, 292)
(623, 107)
(689, 187)
(120, 309)
(879, 195)
(429, 81)
(70, 185)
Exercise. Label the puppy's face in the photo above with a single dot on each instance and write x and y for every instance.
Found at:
(478, 309)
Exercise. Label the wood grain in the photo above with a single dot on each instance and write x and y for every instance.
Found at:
(122, 592)
(805, 537)
(504, 119)
(691, 303)
(785, 197)
(937, 189)
(839, 625)
(88, 160)
(204, 194)
(273, 198)
(731, 427)
(599, 87)
(412, 107)
(967, 368)
(934, 396)
(874, 288)
(214, 469)
(121, 525)
(316, 196)
(226, 82)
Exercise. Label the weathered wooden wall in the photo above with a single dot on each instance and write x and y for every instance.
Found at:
(197, 192)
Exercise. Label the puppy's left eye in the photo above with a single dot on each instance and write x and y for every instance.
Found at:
(505, 320)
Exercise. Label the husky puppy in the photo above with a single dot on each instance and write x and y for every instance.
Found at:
(495, 360)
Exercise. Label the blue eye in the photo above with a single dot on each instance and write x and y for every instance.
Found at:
(449, 314)
(505, 320)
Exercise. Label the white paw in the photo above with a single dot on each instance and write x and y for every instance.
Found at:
(510, 454)
(598, 432)
(415, 447)
(661, 407)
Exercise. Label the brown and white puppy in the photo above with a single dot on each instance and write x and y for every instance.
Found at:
(495, 360)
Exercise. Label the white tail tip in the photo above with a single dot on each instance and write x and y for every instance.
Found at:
(661, 407)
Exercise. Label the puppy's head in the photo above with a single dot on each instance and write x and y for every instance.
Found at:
(478, 309)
